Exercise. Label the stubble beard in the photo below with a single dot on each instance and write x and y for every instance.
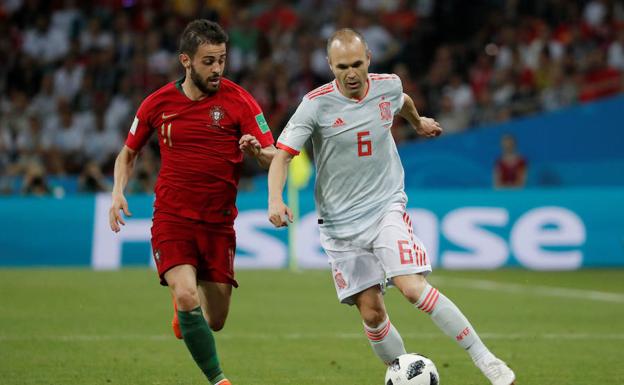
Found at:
(201, 84)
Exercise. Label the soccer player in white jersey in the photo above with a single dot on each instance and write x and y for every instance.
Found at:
(360, 200)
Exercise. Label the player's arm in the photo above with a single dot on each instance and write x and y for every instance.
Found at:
(257, 139)
(251, 146)
(278, 171)
(497, 176)
(522, 176)
(124, 164)
(299, 128)
(424, 126)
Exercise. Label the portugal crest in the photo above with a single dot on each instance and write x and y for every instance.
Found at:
(216, 113)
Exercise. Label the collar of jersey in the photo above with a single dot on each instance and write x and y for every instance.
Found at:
(368, 83)
(178, 85)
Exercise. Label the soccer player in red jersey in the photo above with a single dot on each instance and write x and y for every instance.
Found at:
(205, 123)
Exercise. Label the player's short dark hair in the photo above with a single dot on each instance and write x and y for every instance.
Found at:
(343, 34)
(201, 31)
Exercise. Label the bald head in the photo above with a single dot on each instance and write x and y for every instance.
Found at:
(345, 36)
(349, 58)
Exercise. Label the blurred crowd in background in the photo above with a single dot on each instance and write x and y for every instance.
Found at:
(72, 74)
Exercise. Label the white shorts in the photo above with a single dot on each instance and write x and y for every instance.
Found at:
(375, 256)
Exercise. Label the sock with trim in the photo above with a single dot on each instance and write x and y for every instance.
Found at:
(447, 316)
(385, 341)
(201, 343)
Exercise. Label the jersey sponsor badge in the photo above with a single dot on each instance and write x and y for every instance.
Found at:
(135, 123)
(216, 113)
(262, 123)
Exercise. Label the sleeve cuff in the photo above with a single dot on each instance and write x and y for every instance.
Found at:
(266, 141)
(132, 145)
(289, 150)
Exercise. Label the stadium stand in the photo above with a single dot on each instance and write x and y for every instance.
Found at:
(72, 73)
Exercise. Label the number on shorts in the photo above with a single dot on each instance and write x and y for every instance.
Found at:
(405, 253)
(365, 147)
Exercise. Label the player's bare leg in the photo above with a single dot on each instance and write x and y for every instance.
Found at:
(445, 314)
(382, 335)
(183, 285)
(215, 302)
(193, 326)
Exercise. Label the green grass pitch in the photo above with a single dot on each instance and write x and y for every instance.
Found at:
(66, 327)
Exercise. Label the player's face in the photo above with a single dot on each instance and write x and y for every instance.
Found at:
(207, 66)
(349, 62)
(508, 144)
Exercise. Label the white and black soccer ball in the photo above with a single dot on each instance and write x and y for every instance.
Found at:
(412, 369)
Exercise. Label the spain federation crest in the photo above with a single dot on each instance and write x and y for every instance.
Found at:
(340, 281)
(216, 113)
(385, 111)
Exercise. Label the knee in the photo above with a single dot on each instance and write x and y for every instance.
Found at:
(186, 298)
(216, 325)
(415, 289)
(216, 319)
(373, 316)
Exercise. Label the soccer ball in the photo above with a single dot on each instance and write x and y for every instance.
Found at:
(412, 369)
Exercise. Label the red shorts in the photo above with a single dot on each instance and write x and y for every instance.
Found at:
(207, 246)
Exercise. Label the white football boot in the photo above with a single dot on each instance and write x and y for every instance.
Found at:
(495, 370)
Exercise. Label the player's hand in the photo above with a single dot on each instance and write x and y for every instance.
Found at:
(429, 127)
(114, 216)
(250, 145)
(280, 214)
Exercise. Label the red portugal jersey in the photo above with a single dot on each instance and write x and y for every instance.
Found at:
(200, 154)
(510, 170)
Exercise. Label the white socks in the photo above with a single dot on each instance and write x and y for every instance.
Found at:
(388, 344)
(385, 341)
(451, 321)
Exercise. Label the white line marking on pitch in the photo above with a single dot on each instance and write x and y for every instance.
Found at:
(305, 336)
(545, 291)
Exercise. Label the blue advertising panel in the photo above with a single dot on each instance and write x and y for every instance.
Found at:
(541, 229)
(578, 146)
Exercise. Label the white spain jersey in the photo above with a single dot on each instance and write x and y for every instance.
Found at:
(358, 170)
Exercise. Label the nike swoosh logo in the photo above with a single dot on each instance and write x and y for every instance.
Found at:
(164, 116)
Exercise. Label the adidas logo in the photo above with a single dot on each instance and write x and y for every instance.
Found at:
(339, 122)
